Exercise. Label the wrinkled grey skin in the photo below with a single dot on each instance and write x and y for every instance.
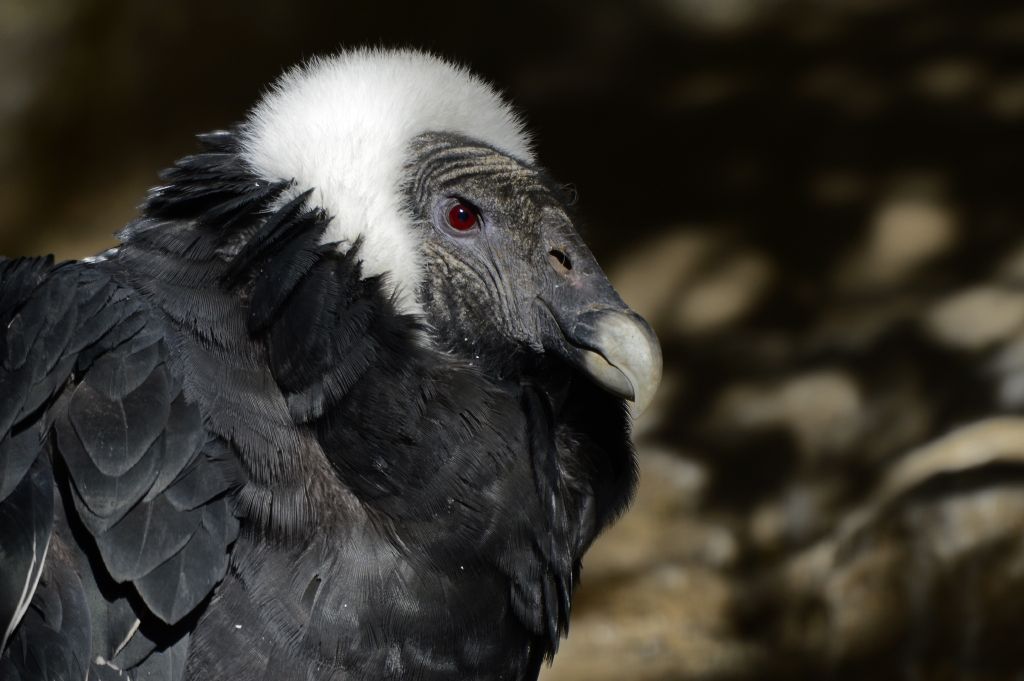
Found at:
(522, 277)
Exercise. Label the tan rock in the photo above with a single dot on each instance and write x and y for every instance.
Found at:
(723, 296)
(977, 317)
(822, 409)
(668, 623)
(661, 527)
(909, 229)
(649, 276)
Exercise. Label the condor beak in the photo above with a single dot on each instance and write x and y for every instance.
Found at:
(594, 330)
(619, 351)
(615, 347)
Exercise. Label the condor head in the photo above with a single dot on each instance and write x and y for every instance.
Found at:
(505, 268)
(431, 172)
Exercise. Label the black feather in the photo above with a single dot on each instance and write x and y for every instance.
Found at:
(180, 583)
(259, 469)
(17, 453)
(26, 524)
(147, 536)
(108, 496)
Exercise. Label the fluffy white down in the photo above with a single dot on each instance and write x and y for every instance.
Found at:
(342, 126)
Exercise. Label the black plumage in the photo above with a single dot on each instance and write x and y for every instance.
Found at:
(241, 460)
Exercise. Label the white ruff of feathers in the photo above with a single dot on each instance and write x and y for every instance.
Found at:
(342, 126)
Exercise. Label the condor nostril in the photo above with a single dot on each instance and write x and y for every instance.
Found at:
(560, 261)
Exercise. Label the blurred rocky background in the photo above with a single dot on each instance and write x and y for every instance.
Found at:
(817, 203)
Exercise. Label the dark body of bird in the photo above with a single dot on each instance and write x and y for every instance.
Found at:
(228, 453)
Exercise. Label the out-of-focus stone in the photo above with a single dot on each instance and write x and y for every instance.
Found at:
(1011, 269)
(840, 609)
(979, 444)
(660, 528)
(897, 417)
(975, 318)
(654, 601)
(1007, 368)
(965, 522)
(650, 276)
(666, 623)
(1006, 98)
(691, 283)
(914, 559)
(823, 409)
(950, 77)
(723, 296)
(805, 510)
(907, 231)
(857, 325)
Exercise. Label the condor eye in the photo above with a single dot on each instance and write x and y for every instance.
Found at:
(462, 217)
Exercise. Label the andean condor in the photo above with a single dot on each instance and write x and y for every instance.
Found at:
(348, 401)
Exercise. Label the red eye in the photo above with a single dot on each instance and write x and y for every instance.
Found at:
(461, 217)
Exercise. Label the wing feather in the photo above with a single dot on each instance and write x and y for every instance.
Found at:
(147, 518)
(26, 525)
(116, 433)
